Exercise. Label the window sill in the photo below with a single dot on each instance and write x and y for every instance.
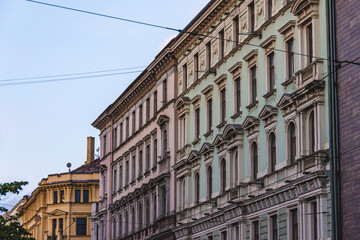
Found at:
(269, 94)
(251, 105)
(208, 133)
(238, 114)
(221, 124)
(289, 81)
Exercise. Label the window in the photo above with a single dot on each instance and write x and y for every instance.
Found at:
(208, 55)
(140, 162)
(53, 229)
(223, 175)
(62, 196)
(309, 39)
(133, 122)
(196, 67)
(197, 187)
(237, 95)
(103, 178)
(115, 138)
(294, 224)
(253, 84)
(209, 182)
(61, 225)
(133, 165)
(269, 8)
(127, 128)
(120, 226)
(210, 238)
(274, 227)
(185, 77)
(77, 195)
(183, 193)
(113, 224)
(311, 133)
(120, 176)
(121, 133)
(133, 219)
(292, 142)
(114, 181)
(140, 116)
(147, 109)
(209, 114)
(182, 130)
(104, 144)
(154, 207)
(163, 200)
(197, 123)
(221, 45)
(251, 9)
(86, 196)
(255, 230)
(164, 92)
(223, 105)
(147, 155)
(147, 212)
(55, 197)
(155, 153)
(254, 155)
(272, 152)
(271, 71)
(80, 226)
(236, 167)
(140, 216)
(164, 142)
(224, 235)
(314, 221)
(126, 222)
(127, 172)
(236, 28)
(155, 103)
(290, 57)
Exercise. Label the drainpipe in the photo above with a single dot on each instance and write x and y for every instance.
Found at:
(334, 125)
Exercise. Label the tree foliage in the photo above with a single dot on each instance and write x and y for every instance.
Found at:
(10, 227)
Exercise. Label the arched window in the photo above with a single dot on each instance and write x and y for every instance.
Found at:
(255, 163)
(272, 152)
(197, 187)
(209, 182)
(223, 175)
(292, 142)
(311, 133)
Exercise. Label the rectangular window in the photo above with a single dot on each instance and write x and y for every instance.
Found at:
(274, 227)
(197, 123)
(236, 27)
(121, 133)
(223, 235)
(103, 183)
(253, 84)
(140, 116)
(147, 109)
(61, 225)
(209, 114)
(55, 197)
(271, 71)
(223, 105)
(80, 226)
(309, 36)
(86, 196)
(221, 44)
(147, 155)
(164, 92)
(255, 230)
(196, 67)
(114, 182)
(115, 138)
(155, 153)
(54, 229)
(120, 176)
(104, 144)
(314, 220)
(77, 195)
(140, 163)
(208, 55)
(127, 173)
(155, 103)
(127, 128)
(164, 142)
(270, 8)
(185, 83)
(62, 196)
(133, 122)
(237, 95)
(294, 224)
(133, 164)
(163, 200)
(182, 130)
(290, 57)
(251, 9)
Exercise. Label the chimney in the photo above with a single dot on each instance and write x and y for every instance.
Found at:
(90, 150)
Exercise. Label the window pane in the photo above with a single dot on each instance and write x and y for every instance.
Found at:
(77, 195)
(86, 196)
(81, 226)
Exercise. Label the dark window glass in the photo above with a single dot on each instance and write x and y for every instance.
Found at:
(223, 105)
(140, 216)
(147, 109)
(133, 164)
(292, 141)
(61, 225)
(196, 67)
(55, 196)
(154, 207)
(253, 84)
(86, 196)
(155, 153)
(115, 138)
(155, 103)
(309, 43)
(252, 17)
(147, 153)
(140, 116)
(311, 133)
(140, 162)
(53, 229)
(209, 107)
(236, 30)
(127, 128)
(254, 152)
(208, 55)
(272, 144)
(197, 187)
(223, 175)
(133, 122)
(185, 83)
(271, 69)
(104, 144)
(163, 200)
(165, 142)
(222, 47)
(133, 219)
(164, 92)
(121, 133)
(294, 224)
(62, 196)
(127, 173)
(77, 195)
(224, 236)
(238, 95)
(256, 232)
(197, 123)
(147, 212)
(274, 226)
(314, 221)
(290, 56)
(80, 226)
(270, 8)
(209, 182)
(120, 176)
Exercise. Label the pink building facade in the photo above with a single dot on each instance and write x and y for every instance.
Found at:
(137, 186)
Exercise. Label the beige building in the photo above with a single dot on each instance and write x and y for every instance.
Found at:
(60, 207)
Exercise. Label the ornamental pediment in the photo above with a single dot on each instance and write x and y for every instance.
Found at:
(206, 147)
(250, 122)
(181, 102)
(218, 140)
(193, 155)
(162, 120)
(301, 5)
(285, 101)
(231, 130)
(268, 114)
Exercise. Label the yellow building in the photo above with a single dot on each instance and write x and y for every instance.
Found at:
(60, 207)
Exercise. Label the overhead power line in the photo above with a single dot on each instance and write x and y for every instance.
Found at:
(182, 31)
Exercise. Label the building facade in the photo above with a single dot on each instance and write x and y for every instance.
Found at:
(137, 185)
(252, 122)
(60, 207)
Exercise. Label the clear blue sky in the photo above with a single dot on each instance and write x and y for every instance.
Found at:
(44, 126)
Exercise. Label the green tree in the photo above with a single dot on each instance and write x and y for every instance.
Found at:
(10, 227)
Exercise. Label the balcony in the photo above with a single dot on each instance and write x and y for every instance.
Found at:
(313, 71)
